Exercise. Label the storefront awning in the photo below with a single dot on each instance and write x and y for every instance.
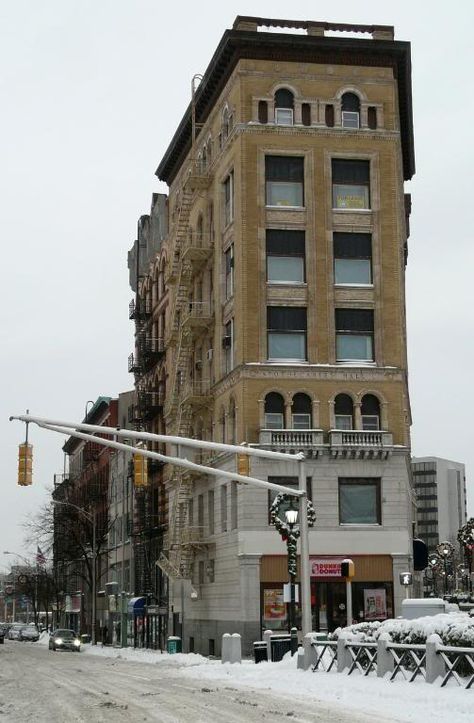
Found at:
(136, 606)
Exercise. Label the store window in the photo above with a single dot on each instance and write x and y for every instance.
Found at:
(359, 501)
(352, 258)
(350, 184)
(284, 177)
(286, 332)
(355, 335)
(285, 256)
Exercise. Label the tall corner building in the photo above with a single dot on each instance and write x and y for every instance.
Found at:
(272, 313)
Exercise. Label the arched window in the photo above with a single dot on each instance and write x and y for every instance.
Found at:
(284, 104)
(274, 411)
(343, 412)
(370, 411)
(350, 106)
(301, 412)
(232, 423)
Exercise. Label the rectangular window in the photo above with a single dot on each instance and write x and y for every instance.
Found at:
(284, 116)
(350, 119)
(210, 569)
(286, 328)
(359, 501)
(354, 335)
(233, 506)
(201, 572)
(210, 511)
(343, 421)
(191, 511)
(201, 510)
(224, 508)
(273, 420)
(285, 256)
(284, 177)
(352, 258)
(229, 271)
(350, 184)
(228, 346)
(229, 199)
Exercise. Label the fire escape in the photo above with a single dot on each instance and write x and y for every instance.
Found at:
(189, 319)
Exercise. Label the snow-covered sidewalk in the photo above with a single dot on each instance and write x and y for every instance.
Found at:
(397, 701)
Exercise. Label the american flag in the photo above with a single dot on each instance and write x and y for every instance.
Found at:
(40, 558)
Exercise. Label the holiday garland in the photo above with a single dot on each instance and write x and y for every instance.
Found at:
(289, 533)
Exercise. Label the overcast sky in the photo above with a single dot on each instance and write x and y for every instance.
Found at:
(91, 93)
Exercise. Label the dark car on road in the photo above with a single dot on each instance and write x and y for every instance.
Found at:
(64, 640)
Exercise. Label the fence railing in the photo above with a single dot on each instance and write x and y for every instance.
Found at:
(430, 662)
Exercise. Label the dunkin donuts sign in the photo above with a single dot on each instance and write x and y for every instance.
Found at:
(326, 566)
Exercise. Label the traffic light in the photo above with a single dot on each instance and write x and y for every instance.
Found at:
(25, 464)
(140, 470)
(243, 465)
(347, 568)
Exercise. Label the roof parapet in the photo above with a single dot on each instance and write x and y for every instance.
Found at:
(249, 23)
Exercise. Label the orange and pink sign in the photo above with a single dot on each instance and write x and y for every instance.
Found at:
(326, 566)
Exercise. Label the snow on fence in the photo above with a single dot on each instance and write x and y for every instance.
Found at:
(382, 658)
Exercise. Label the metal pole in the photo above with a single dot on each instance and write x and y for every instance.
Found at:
(182, 615)
(94, 576)
(349, 601)
(305, 582)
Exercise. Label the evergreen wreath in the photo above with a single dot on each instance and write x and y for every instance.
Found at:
(288, 535)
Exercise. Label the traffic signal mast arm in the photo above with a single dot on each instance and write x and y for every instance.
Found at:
(72, 430)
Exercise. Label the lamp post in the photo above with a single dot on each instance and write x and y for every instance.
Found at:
(92, 519)
(291, 518)
(445, 551)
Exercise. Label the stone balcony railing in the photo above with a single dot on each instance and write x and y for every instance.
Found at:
(360, 443)
(292, 440)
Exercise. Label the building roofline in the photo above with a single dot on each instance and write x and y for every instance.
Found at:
(237, 45)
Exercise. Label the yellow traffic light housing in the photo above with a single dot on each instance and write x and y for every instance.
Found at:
(25, 464)
(347, 568)
(243, 464)
(140, 470)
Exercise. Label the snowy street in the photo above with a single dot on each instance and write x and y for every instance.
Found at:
(40, 685)
(105, 684)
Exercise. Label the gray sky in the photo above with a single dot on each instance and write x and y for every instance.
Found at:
(91, 93)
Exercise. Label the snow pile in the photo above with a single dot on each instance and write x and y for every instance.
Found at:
(454, 628)
(375, 697)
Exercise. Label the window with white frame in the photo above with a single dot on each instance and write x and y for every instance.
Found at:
(301, 411)
(343, 412)
(350, 110)
(284, 179)
(352, 258)
(355, 335)
(274, 411)
(284, 107)
(350, 184)
(285, 251)
(286, 333)
(228, 191)
(370, 411)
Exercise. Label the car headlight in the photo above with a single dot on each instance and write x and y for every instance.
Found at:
(58, 641)
(77, 643)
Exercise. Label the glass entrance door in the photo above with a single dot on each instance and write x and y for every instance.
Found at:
(329, 605)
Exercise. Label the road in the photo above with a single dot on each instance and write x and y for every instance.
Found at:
(58, 687)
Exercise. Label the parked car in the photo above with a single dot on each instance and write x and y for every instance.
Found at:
(29, 632)
(64, 640)
(14, 632)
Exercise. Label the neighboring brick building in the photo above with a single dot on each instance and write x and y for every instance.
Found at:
(273, 312)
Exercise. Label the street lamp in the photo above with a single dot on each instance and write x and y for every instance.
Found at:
(446, 552)
(291, 519)
(92, 519)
